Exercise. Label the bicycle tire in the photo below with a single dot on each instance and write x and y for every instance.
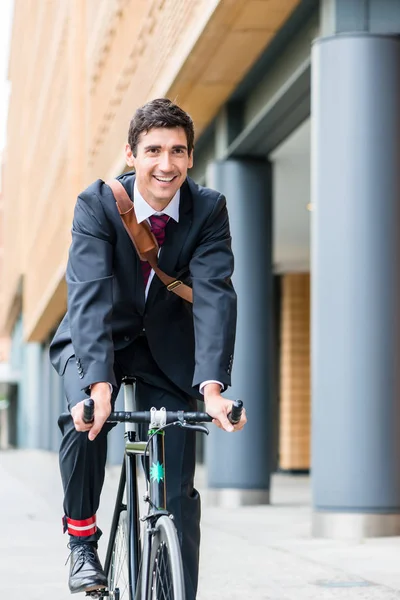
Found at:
(118, 576)
(165, 568)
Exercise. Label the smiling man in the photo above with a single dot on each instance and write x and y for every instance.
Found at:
(122, 320)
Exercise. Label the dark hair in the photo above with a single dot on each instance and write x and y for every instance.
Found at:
(159, 113)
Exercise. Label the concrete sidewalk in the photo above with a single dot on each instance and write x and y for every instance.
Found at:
(262, 553)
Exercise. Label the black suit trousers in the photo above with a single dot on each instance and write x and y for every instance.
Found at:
(82, 463)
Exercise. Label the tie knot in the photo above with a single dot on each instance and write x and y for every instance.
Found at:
(159, 221)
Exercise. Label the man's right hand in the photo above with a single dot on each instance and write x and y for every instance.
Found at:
(101, 395)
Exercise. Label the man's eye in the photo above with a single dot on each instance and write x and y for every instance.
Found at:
(179, 151)
(153, 150)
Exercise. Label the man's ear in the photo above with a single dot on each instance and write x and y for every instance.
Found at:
(129, 158)
(190, 163)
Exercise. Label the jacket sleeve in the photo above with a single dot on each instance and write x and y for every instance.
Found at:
(214, 299)
(89, 279)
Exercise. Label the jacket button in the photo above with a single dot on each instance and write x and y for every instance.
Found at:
(127, 338)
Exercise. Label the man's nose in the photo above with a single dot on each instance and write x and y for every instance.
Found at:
(165, 163)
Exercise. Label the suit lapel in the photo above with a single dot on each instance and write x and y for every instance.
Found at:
(139, 284)
(175, 237)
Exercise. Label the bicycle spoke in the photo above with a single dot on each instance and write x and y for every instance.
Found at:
(162, 580)
(122, 557)
(119, 564)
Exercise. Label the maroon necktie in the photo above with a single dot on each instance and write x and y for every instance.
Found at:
(158, 223)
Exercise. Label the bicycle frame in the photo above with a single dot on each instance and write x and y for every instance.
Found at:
(156, 496)
(128, 479)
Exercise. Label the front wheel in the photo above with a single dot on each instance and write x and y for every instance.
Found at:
(165, 568)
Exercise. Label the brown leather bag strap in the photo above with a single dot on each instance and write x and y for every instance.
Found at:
(144, 240)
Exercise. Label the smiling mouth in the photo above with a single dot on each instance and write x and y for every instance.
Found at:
(165, 179)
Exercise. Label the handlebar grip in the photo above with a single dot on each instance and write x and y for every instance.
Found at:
(236, 413)
(88, 410)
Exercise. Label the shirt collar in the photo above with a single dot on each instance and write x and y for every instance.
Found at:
(143, 210)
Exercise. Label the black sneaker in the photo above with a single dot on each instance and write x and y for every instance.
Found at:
(86, 573)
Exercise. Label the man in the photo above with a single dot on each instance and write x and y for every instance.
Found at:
(122, 320)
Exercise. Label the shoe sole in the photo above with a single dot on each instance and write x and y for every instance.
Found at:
(93, 588)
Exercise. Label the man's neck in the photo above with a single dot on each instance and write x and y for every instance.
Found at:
(155, 205)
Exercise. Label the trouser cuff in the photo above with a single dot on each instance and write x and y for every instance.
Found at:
(80, 528)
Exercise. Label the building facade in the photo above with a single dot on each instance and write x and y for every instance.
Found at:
(269, 84)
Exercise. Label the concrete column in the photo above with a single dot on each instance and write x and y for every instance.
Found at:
(238, 465)
(4, 437)
(356, 285)
(31, 421)
(295, 418)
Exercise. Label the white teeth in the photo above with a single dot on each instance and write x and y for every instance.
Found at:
(165, 179)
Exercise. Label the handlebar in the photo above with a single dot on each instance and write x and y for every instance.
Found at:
(236, 413)
(171, 416)
(88, 410)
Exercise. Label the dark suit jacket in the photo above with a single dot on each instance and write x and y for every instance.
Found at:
(106, 301)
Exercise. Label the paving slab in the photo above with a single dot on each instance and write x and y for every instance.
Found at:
(262, 552)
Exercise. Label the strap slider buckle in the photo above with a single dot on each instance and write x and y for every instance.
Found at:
(172, 286)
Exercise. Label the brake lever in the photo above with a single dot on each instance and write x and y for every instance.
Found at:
(199, 428)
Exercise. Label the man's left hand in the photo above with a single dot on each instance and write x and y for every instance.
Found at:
(219, 407)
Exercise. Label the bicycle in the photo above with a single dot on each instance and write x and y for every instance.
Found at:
(155, 571)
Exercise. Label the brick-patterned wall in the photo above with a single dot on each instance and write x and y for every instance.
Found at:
(78, 69)
(4, 349)
(294, 443)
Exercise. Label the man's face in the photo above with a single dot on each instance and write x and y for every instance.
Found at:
(161, 164)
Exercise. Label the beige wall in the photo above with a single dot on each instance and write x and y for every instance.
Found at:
(78, 70)
(4, 349)
(295, 418)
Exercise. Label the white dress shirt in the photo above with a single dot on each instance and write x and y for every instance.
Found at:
(143, 211)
